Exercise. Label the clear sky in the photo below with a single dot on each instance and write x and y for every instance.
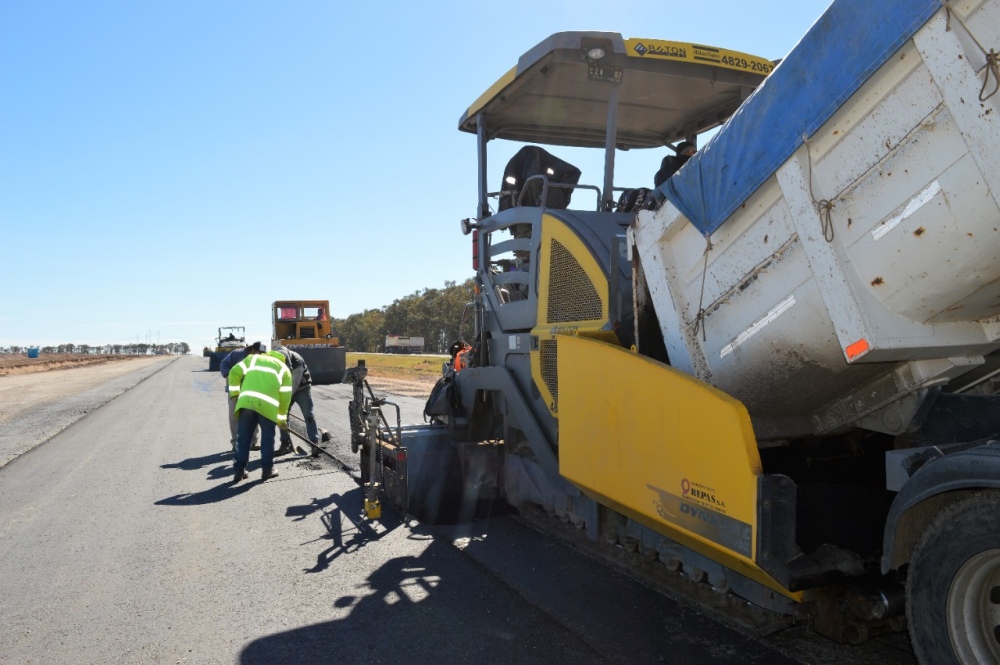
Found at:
(167, 168)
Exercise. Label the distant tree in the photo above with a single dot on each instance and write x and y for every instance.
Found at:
(434, 314)
(437, 315)
(362, 332)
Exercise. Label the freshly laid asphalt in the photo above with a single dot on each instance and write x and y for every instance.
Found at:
(123, 540)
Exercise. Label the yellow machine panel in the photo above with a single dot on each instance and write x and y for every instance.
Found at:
(572, 299)
(661, 447)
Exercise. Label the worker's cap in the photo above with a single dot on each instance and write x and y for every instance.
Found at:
(683, 146)
(255, 347)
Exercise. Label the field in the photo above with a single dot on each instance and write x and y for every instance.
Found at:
(402, 366)
(413, 376)
(12, 364)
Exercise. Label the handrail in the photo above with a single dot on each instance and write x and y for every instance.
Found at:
(545, 190)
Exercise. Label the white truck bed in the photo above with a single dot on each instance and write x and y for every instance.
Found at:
(817, 329)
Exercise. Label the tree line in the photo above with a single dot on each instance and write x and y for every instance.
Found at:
(437, 315)
(137, 349)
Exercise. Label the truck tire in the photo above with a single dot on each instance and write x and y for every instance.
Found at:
(953, 585)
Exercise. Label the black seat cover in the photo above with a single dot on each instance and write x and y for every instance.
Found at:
(531, 161)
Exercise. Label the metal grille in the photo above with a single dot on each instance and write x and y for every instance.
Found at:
(547, 357)
(307, 332)
(572, 296)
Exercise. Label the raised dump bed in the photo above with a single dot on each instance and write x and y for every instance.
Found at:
(832, 252)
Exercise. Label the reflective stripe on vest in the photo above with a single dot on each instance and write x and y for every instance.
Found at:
(260, 396)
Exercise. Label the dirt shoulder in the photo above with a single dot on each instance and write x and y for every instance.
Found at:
(401, 385)
(31, 389)
(36, 406)
(18, 364)
(407, 375)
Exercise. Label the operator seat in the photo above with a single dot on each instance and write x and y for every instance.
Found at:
(531, 161)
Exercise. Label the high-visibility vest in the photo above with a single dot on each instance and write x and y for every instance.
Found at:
(463, 358)
(262, 383)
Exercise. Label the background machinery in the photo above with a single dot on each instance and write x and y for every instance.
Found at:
(304, 327)
(230, 338)
(403, 344)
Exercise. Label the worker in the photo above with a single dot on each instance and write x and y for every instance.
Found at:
(262, 384)
(671, 163)
(301, 395)
(225, 366)
(461, 355)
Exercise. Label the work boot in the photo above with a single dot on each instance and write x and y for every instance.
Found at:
(265, 475)
(254, 446)
(239, 475)
(283, 450)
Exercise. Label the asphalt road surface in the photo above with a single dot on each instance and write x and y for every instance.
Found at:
(123, 540)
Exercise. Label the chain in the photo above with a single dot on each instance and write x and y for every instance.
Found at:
(699, 320)
(823, 206)
(992, 57)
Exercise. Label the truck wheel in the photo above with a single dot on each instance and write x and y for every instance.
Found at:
(953, 586)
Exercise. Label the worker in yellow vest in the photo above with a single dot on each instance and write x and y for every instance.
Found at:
(261, 385)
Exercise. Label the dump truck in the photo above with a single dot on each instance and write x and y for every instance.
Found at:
(777, 373)
(304, 327)
(229, 339)
(403, 344)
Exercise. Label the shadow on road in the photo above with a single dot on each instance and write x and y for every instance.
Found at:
(424, 609)
(346, 527)
(538, 602)
(195, 463)
(222, 462)
(212, 495)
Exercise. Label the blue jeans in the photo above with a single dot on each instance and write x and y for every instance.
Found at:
(305, 401)
(248, 420)
(231, 404)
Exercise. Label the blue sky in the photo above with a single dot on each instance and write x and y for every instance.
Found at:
(167, 168)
